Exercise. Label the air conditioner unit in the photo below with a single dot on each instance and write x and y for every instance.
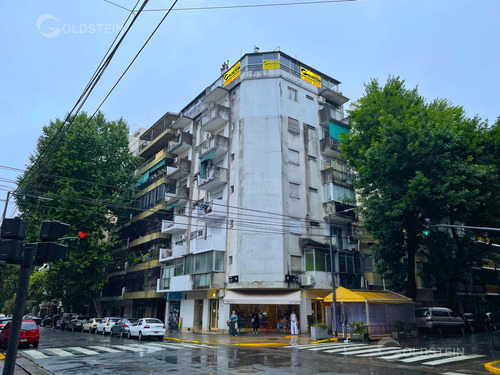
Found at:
(321, 100)
(182, 237)
(305, 280)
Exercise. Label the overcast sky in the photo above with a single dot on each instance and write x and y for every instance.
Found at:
(449, 48)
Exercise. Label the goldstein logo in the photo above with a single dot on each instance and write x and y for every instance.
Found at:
(310, 77)
(232, 74)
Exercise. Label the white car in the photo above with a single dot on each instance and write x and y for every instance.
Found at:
(90, 325)
(147, 327)
(105, 325)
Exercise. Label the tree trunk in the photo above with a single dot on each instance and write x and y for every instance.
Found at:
(411, 289)
(97, 306)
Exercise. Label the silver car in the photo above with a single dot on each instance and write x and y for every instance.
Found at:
(439, 319)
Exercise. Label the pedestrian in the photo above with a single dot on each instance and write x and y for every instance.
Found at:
(293, 323)
(233, 324)
(255, 322)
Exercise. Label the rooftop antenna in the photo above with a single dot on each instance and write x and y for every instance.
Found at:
(255, 48)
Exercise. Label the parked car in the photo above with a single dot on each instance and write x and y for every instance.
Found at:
(91, 325)
(474, 322)
(3, 322)
(492, 320)
(64, 320)
(47, 321)
(37, 319)
(147, 327)
(76, 324)
(30, 335)
(438, 319)
(105, 325)
(122, 326)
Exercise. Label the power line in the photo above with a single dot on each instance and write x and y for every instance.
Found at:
(240, 6)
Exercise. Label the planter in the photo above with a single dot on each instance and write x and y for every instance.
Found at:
(319, 333)
(359, 336)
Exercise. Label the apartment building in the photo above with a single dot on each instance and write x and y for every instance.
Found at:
(235, 200)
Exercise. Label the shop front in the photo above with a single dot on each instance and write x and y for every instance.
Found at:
(272, 307)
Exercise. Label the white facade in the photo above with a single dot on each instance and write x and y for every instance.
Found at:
(261, 182)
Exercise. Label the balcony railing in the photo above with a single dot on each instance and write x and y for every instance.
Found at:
(329, 146)
(215, 118)
(181, 144)
(166, 254)
(213, 178)
(328, 114)
(164, 284)
(214, 210)
(214, 147)
(333, 175)
(177, 226)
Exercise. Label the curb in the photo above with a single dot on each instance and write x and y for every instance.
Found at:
(491, 368)
(334, 339)
(2, 357)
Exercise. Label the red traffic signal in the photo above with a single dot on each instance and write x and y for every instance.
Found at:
(82, 235)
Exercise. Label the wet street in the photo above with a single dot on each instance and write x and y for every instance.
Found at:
(83, 353)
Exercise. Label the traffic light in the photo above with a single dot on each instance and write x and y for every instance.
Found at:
(82, 236)
(48, 251)
(12, 234)
(427, 227)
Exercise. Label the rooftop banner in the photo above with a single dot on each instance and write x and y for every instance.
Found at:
(271, 64)
(310, 77)
(232, 74)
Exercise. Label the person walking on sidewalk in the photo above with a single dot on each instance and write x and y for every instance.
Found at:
(233, 324)
(255, 322)
(293, 323)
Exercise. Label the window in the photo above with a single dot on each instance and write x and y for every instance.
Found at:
(318, 260)
(333, 192)
(312, 158)
(292, 94)
(254, 62)
(293, 126)
(314, 224)
(294, 190)
(313, 190)
(210, 261)
(232, 188)
(295, 226)
(293, 157)
(296, 263)
(232, 157)
(230, 259)
(309, 97)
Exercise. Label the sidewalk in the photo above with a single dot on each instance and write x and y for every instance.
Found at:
(247, 339)
(25, 367)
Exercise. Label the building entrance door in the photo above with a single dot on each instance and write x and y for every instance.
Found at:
(214, 314)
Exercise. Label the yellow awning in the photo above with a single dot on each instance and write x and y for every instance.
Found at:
(380, 296)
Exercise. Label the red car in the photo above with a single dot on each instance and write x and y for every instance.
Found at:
(29, 334)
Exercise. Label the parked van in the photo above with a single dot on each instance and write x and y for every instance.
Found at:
(439, 319)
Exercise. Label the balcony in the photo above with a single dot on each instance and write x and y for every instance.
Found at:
(176, 251)
(177, 226)
(215, 118)
(147, 238)
(157, 136)
(211, 242)
(333, 96)
(329, 146)
(143, 266)
(178, 196)
(175, 284)
(181, 144)
(491, 289)
(329, 114)
(214, 178)
(331, 174)
(212, 211)
(181, 169)
(215, 95)
(182, 122)
(214, 148)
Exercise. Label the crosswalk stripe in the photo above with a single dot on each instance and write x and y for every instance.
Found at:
(332, 346)
(348, 348)
(146, 346)
(106, 349)
(83, 350)
(305, 346)
(35, 354)
(454, 373)
(169, 346)
(453, 359)
(127, 347)
(372, 350)
(394, 351)
(60, 352)
(406, 353)
(425, 357)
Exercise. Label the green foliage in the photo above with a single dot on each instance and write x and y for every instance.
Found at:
(359, 328)
(320, 325)
(417, 160)
(9, 274)
(85, 182)
(8, 306)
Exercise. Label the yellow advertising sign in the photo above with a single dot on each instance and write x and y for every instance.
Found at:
(232, 74)
(271, 64)
(158, 155)
(310, 77)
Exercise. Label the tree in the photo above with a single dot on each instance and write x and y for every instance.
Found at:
(84, 178)
(9, 274)
(415, 160)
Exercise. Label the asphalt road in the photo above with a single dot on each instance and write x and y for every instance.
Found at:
(83, 353)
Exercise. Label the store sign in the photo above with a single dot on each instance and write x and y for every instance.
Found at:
(310, 77)
(232, 74)
(158, 155)
(271, 64)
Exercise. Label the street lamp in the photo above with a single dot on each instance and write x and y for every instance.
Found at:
(334, 299)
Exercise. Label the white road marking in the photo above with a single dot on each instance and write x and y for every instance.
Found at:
(61, 352)
(346, 348)
(83, 350)
(453, 359)
(425, 357)
(147, 347)
(168, 346)
(454, 373)
(127, 347)
(393, 351)
(373, 350)
(330, 346)
(406, 353)
(306, 346)
(106, 349)
(35, 354)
